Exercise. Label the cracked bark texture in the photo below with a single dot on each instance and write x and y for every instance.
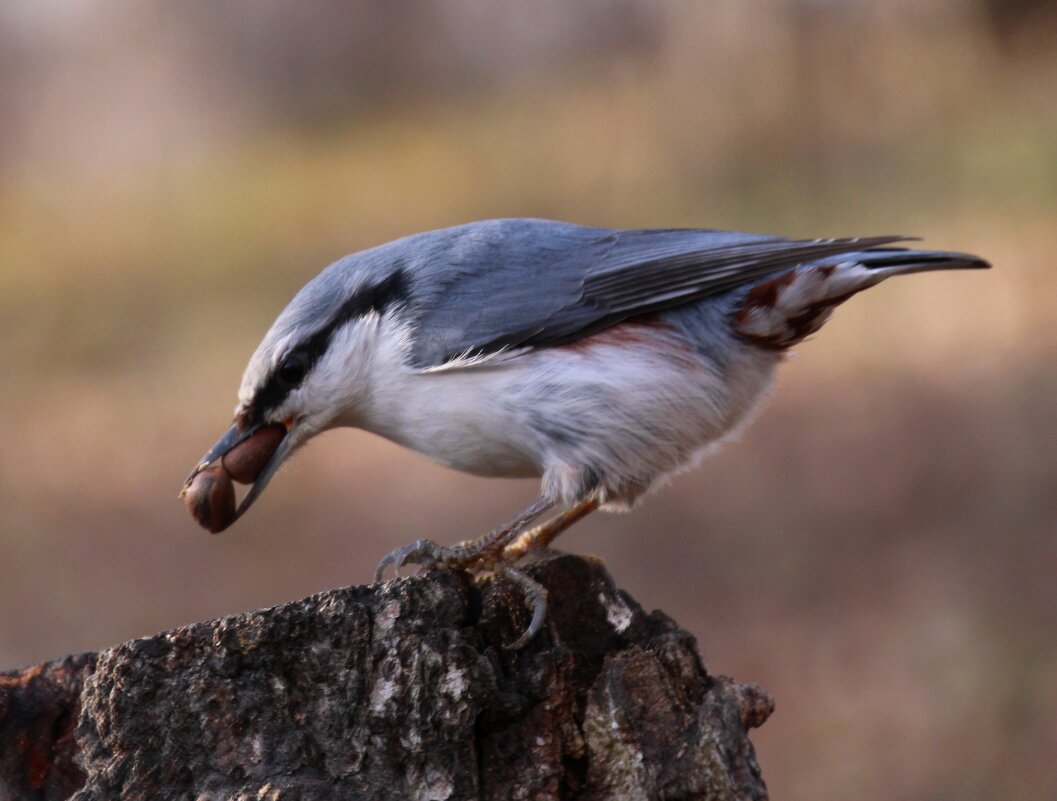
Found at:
(396, 691)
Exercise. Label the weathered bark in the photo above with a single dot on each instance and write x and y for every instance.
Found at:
(396, 691)
(38, 712)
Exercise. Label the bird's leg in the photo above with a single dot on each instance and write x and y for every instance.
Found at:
(540, 537)
(537, 539)
(480, 552)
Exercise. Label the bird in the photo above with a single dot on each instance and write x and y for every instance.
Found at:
(600, 360)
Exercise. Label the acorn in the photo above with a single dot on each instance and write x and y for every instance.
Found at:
(247, 460)
(210, 497)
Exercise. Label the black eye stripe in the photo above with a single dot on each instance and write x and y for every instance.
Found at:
(377, 298)
(293, 369)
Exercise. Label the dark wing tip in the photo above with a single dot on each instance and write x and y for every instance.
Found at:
(876, 258)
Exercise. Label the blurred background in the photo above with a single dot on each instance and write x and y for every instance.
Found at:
(879, 550)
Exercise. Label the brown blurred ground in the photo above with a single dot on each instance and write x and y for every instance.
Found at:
(879, 549)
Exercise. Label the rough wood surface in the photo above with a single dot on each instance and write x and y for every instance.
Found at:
(396, 691)
(39, 706)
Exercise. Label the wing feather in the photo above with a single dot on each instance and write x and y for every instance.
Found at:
(505, 286)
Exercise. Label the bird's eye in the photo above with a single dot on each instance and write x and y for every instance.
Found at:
(292, 370)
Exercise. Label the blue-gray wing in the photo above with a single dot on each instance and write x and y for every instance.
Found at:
(508, 284)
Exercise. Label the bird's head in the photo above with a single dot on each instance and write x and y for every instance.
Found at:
(308, 374)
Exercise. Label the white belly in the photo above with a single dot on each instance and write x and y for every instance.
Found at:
(622, 409)
(459, 419)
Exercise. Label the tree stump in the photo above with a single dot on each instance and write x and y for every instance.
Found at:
(403, 690)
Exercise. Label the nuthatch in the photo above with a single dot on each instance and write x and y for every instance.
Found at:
(600, 360)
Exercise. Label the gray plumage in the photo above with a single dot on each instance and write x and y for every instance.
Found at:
(484, 287)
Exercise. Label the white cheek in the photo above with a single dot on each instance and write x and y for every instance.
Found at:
(339, 385)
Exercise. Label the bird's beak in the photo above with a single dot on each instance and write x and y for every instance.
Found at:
(235, 435)
(282, 450)
(254, 453)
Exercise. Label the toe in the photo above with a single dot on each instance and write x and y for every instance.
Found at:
(535, 596)
(413, 553)
(420, 552)
(379, 572)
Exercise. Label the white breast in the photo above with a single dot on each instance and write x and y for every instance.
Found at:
(628, 406)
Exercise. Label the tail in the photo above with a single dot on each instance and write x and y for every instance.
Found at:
(783, 309)
(900, 261)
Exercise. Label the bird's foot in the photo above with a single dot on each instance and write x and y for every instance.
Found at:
(430, 555)
(476, 556)
(472, 555)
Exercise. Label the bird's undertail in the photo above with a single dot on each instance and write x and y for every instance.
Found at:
(783, 309)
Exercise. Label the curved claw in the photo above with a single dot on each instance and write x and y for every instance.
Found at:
(408, 553)
(536, 595)
(430, 554)
(384, 563)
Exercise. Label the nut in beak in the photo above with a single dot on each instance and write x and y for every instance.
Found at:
(209, 494)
